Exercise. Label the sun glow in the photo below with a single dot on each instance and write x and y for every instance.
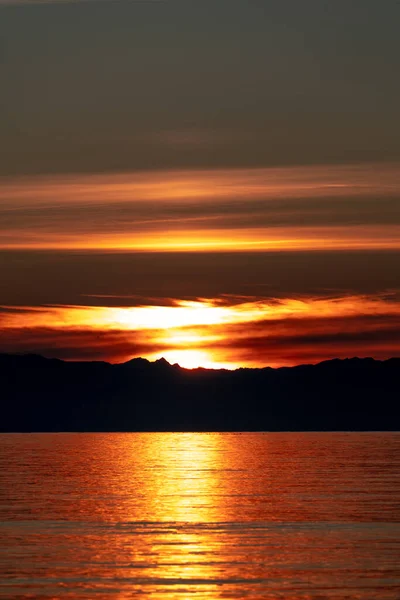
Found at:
(183, 314)
(211, 239)
(212, 333)
(193, 359)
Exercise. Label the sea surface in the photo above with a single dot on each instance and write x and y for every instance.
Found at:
(200, 515)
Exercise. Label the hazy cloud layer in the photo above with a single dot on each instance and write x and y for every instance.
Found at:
(305, 207)
(128, 279)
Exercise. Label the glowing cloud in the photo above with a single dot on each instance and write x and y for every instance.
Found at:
(221, 333)
(298, 208)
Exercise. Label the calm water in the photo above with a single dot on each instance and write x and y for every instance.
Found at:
(171, 515)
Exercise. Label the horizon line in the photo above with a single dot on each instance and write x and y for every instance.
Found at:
(163, 360)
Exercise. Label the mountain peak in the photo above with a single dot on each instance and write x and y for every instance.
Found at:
(137, 362)
(162, 362)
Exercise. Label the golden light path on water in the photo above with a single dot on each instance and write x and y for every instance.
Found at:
(201, 515)
(173, 497)
(190, 494)
(203, 332)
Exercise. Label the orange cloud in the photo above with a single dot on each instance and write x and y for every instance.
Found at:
(267, 183)
(302, 208)
(210, 333)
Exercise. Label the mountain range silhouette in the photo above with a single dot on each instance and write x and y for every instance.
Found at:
(41, 394)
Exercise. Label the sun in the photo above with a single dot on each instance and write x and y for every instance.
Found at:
(193, 359)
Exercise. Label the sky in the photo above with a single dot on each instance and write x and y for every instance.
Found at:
(215, 182)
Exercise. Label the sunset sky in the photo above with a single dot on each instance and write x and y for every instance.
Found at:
(212, 181)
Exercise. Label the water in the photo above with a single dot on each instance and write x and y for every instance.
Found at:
(169, 515)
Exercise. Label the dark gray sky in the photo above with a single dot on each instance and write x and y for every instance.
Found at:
(98, 86)
(128, 279)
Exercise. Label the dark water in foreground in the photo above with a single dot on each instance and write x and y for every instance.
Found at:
(186, 515)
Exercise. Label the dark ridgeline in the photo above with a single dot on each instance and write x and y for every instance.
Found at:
(39, 394)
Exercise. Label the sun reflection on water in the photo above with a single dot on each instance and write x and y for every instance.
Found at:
(200, 515)
(185, 478)
(184, 493)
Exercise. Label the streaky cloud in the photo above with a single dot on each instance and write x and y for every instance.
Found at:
(221, 332)
(338, 207)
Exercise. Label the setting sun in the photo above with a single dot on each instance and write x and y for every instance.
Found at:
(193, 359)
(212, 333)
